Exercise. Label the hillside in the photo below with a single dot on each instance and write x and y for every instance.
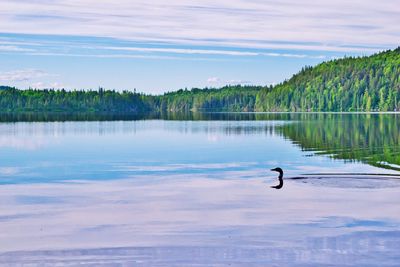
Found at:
(349, 84)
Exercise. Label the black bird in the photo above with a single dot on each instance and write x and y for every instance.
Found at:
(280, 185)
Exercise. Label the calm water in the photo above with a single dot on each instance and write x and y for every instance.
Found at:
(195, 190)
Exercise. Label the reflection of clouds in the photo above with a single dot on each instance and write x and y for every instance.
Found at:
(22, 142)
(212, 128)
(193, 211)
(182, 167)
(344, 250)
(213, 138)
(128, 127)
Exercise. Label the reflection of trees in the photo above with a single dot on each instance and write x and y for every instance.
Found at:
(371, 138)
(61, 116)
(110, 116)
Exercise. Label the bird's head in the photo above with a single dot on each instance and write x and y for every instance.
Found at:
(277, 170)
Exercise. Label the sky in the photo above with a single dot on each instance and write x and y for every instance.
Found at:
(157, 46)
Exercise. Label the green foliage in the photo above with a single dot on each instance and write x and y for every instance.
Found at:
(229, 98)
(71, 101)
(348, 84)
(6, 87)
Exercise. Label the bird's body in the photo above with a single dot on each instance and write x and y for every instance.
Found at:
(280, 178)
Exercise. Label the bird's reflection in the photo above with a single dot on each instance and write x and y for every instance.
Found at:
(280, 177)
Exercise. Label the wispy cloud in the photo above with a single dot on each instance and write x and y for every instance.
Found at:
(254, 36)
(22, 75)
(13, 48)
(293, 55)
(186, 51)
(213, 80)
(218, 81)
(74, 47)
(238, 82)
(289, 24)
(33, 78)
(211, 52)
(44, 85)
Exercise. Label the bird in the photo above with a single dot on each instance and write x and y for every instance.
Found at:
(280, 177)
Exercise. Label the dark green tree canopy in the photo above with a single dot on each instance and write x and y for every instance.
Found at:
(349, 84)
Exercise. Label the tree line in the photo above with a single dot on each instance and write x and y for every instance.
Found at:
(350, 84)
(228, 98)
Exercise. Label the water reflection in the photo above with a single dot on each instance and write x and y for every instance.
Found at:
(369, 138)
(39, 129)
(49, 117)
(176, 192)
(176, 221)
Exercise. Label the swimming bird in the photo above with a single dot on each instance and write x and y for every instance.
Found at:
(280, 177)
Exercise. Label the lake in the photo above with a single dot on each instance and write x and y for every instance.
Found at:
(194, 190)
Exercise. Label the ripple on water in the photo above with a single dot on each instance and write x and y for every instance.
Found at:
(353, 180)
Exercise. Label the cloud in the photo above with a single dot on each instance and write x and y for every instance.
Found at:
(46, 85)
(7, 42)
(211, 52)
(13, 48)
(94, 55)
(288, 24)
(31, 77)
(22, 75)
(158, 53)
(238, 82)
(213, 80)
(96, 47)
(292, 55)
(216, 80)
(186, 51)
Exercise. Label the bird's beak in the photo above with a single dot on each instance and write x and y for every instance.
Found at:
(273, 169)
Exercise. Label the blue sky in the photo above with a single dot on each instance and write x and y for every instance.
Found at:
(157, 46)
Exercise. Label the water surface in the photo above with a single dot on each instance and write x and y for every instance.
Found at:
(194, 190)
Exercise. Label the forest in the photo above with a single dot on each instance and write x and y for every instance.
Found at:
(369, 83)
(229, 98)
(349, 84)
(32, 100)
